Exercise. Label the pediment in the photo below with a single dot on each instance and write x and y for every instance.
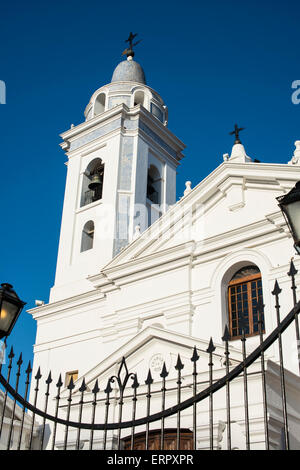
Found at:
(149, 349)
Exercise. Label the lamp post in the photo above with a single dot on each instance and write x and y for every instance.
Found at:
(290, 206)
(10, 308)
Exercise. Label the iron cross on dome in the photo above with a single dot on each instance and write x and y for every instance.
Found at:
(236, 132)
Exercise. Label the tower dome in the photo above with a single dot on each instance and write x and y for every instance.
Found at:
(128, 86)
(129, 71)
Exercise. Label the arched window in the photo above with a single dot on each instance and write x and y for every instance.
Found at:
(154, 185)
(92, 183)
(139, 98)
(100, 104)
(87, 238)
(244, 291)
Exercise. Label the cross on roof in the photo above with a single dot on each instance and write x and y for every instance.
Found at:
(236, 132)
(129, 51)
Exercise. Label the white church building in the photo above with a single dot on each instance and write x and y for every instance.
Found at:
(143, 276)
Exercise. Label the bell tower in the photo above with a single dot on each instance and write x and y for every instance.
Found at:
(121, 173)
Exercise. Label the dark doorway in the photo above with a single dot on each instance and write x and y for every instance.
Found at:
(170, 440)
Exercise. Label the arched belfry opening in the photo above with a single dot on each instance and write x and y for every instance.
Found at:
(154, 194)
(154, 185)
(87, 237)
(92, 182)
(244, 293)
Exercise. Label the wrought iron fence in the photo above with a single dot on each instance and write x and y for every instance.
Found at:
(126, 381)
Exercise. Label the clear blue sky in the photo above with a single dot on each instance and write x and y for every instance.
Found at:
(214, 63)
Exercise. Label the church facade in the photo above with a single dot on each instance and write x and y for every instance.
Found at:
(144, 277)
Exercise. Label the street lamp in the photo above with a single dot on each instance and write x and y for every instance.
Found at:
(10, 308)
(290, 206)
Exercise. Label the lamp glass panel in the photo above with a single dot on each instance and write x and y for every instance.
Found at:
(293, 213)
(7, 315)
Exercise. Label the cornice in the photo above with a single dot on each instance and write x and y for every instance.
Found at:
(149, 265)
(178, 256)
(122, 111)
(213, 248)
(95, 142)
(66, 305)
(159, 128)
(148, 309)
(92, 123)
(67, 340)
(249, 231)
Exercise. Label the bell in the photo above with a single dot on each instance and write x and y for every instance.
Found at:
(95, 182)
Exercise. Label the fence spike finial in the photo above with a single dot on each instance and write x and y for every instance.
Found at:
(277, 289)
(96, 388)
(49, 379)
(83, 386)
(179, 365)
(211, 347)
(123, 365)
(20, 360)
(108, 389)
(149, 379)
(226, 335)
(38, 374)
(195, 355)
(293, 271)
(71, 385)
(11, 354)
(29, 369)
(60, 382)
(164, 373)
(135, 383)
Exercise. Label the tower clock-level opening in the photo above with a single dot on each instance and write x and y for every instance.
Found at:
(170, 440)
